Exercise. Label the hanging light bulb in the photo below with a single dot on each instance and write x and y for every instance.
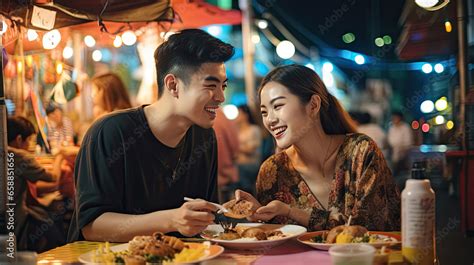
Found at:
(426, 3)
(431, 5)
(262, 24)
(51, 39)
(448, 27)
(117, 41)
(285, 49)
(19, 66)
(129, 38)
(255, 38)
(4, 27)
(59, 68)
(67, 52)
(97, 55)
(89, 41)
(32, 34)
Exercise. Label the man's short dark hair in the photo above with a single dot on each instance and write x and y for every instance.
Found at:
(19, 126)
(51, 108)
(398, 114)
(184, 53)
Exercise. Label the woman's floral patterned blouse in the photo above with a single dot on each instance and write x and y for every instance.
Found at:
(362, 186)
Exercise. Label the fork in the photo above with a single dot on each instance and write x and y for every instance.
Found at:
(221, 208)
(223, 221)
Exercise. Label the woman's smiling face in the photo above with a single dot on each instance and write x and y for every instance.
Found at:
(284, 115)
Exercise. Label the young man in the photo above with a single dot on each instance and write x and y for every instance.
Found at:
(136, 165)
(60, 131)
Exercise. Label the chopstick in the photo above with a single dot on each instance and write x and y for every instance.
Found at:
(222, 209)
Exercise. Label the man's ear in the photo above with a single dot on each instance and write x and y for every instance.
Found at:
(18, 140)
(171, 85)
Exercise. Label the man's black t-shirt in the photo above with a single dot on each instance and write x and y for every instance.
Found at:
(122, 168)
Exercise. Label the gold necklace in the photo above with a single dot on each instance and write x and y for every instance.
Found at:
(326, 157)
(173, 176)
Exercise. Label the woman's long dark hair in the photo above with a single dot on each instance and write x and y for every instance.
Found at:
(115, 93)
(304, 83)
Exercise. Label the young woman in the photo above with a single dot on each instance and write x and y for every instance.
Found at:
(326, 171)
(109, 94)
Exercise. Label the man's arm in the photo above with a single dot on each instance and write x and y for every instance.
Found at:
(190, 219)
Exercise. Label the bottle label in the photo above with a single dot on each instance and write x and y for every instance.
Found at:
(418, 224)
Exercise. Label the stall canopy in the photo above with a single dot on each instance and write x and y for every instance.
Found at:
(112, 16)
(68, 13)
(188, 13)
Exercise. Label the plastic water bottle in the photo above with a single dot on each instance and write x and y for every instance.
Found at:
(418, 218)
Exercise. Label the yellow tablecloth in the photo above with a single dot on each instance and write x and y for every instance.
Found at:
(68, 253)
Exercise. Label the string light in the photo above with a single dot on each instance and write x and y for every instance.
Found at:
(97, 55)
(427, 68)
(425, 127)
(285, 49)
(439, 119)
(51, 39)
(262, 24)
(449, 125)
(448, 27)
(359, 59)
(4, 28)
(19, 66)
(255, 38)
(89, 41)
(59, 68)
(129, 38)
(32, 34)
(67, 52)
(117, 41)
(427, 106)
(426, 3)
(441, 104)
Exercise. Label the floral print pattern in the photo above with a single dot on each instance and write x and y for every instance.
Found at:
(362, 186)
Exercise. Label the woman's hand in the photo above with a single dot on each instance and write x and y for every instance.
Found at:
(269, 211)
(242, 195)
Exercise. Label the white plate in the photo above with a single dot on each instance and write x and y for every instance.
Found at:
(214, 251)
(306, 239)
(291, 231)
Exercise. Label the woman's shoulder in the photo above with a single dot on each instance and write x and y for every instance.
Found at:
(278, 159)
(358, 140)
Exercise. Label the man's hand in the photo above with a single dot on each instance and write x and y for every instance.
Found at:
(193, 217)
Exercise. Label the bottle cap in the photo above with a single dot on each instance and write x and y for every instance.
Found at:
(418, 170)
(418, 184)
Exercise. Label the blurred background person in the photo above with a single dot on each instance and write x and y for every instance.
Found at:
(227, 136)
(400, 140)
(108, 94)
(250, 141)
(60, 130)
(366, 126)
(31, 214)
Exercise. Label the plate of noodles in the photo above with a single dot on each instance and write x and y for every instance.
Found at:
(158, 248)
